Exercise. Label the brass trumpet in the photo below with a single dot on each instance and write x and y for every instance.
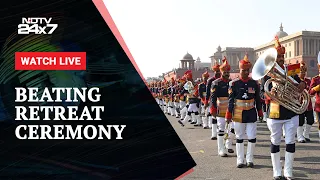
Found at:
(287, 94)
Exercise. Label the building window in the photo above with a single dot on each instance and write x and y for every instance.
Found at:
(289, 54)
(286, 55)
(312, 63)
(289, 44)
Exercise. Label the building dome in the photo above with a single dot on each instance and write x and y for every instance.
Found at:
(187, 57)
(281, 33)
(219, 49)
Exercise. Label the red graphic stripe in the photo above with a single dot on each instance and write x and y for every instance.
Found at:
(184, 174)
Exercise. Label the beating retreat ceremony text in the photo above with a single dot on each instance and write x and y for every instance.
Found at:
(55, 113)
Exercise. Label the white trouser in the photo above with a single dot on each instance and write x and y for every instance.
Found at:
(214, 128)
(176, 105)
(245, 130)
(205, 118)
(289, 126)
(168, 106)
(209, 121)
(193, 109)
(203, 109)
(171, 108)
(161, 104)
(183, 109)
(221, 129)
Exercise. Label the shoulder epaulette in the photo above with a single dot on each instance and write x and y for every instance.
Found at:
(215, 82)
(233, 81)
(317, 76)
(211, 79)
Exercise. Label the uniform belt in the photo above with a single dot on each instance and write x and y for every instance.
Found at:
(247, 104)
(223, 100)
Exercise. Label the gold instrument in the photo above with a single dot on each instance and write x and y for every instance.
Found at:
(287, 94)
(226, 136)
(189, 87)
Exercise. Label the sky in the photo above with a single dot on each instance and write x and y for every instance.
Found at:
(159, 33)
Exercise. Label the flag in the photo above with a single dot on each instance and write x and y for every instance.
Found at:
(293, 69)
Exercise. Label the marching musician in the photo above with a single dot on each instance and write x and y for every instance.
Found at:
(219, 104)
(153, 91)
(244, 103)
(193, 101)
(171, 97)
(303, 133)
(202, 93)
(314, 90)
(278, 117)
(165, 96)
(159, 95)
(183, 98)
(212, 122)
(264, 105)
(176, 98)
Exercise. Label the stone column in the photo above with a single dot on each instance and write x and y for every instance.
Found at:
(301, 47)
(295, 48)
(314, 47)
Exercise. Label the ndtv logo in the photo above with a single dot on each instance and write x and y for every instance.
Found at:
(36, 20)
(36, 25)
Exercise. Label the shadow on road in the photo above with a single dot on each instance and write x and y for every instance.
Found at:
(305, 171)
(309, 160)
(300, 147)
(257, 166)
(262, 157)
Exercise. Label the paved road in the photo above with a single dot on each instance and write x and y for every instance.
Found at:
(211, 166)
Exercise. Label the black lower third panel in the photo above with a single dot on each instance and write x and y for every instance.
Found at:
(128, 136)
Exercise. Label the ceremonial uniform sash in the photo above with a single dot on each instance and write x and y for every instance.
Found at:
(204, 94)
(166, 99)
(274, 110)
(222, 106)
(190, 96)
(240, 106)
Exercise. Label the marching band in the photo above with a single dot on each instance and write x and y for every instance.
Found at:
(231, 107)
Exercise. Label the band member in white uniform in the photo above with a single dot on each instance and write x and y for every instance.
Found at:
(212, 121)
(202, 93)
(244, 103)
(306, 119)
(193, 100)
(280, 117)
(183, 98)
(218, 108)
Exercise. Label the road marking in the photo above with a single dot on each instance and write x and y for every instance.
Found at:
(200, 151)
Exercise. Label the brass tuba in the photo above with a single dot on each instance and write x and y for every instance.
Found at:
(189, 87)
(287, 94)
